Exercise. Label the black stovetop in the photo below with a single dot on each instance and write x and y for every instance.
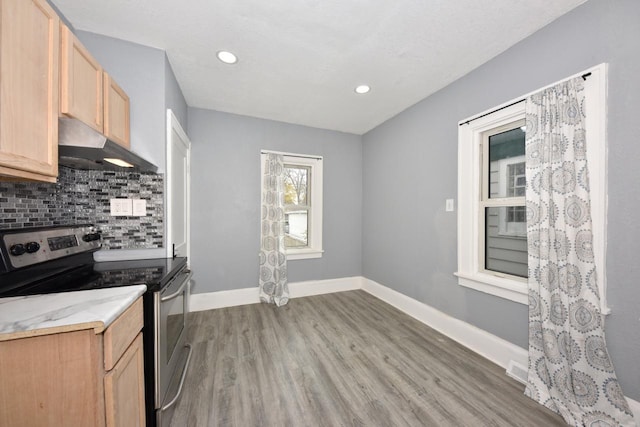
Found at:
(82, 273)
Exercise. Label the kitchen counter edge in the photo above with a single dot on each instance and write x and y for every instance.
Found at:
(36, 315)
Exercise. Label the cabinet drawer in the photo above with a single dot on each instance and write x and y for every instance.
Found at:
(121, 333)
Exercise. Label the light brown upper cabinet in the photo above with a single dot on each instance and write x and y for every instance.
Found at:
(116, 112)
(29, 52)
(89, 94)
(80, 81)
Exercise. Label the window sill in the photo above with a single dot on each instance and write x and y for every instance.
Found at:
(513, 290)
(294, 254)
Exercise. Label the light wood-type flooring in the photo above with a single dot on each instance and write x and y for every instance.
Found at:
(343, 359)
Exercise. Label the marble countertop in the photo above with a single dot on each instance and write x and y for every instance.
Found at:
(35, 315)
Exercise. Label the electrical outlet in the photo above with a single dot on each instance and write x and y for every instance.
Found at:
(449, 205)
(121, 207)
(139, 207)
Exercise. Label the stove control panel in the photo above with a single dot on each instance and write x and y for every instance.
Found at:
(22, 248)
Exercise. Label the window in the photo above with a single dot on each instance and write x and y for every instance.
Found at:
(303, 206)
(502, 203)
(492, 254)
(297, 205)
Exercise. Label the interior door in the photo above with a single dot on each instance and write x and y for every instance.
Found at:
(178, 188)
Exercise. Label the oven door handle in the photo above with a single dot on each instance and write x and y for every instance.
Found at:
(182, 378)
(179, 291)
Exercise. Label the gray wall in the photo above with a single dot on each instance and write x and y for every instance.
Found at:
(225, 201)
(174, 99)
(410, 168)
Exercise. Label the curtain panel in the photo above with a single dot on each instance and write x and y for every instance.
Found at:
(273, 258)
(570, 370)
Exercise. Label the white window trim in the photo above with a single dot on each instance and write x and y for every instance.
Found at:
(314, 249)
(470, 273)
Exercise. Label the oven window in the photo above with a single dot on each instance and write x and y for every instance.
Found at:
(175, 321)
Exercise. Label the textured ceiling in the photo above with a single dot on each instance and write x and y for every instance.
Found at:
(299, 60)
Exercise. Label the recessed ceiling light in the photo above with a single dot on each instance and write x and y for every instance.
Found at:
(362, 89)
(227, 57)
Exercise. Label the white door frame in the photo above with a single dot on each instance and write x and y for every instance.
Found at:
(173, 125)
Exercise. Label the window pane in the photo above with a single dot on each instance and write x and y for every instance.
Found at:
(506, 240)
(296, 227)
(297, 199)
(506, 164)
(516, 214)
(515, 180)
(296, 185)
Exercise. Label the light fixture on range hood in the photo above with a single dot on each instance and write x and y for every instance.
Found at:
(81, 147)
(118, 162)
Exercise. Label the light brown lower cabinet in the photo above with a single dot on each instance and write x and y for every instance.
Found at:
(64, 379)
(124, 388)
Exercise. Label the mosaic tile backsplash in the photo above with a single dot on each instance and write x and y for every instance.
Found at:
(82, 196)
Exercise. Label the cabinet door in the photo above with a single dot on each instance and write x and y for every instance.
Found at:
(116, 112)
(80, 82)
(51, 380)
(124, 388)
(29, 51)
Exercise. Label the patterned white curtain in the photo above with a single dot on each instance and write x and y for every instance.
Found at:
(273, 259)
(570, 371)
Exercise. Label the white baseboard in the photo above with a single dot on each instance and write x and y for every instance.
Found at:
(221, 299)
(319, 287)
(497, 350)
